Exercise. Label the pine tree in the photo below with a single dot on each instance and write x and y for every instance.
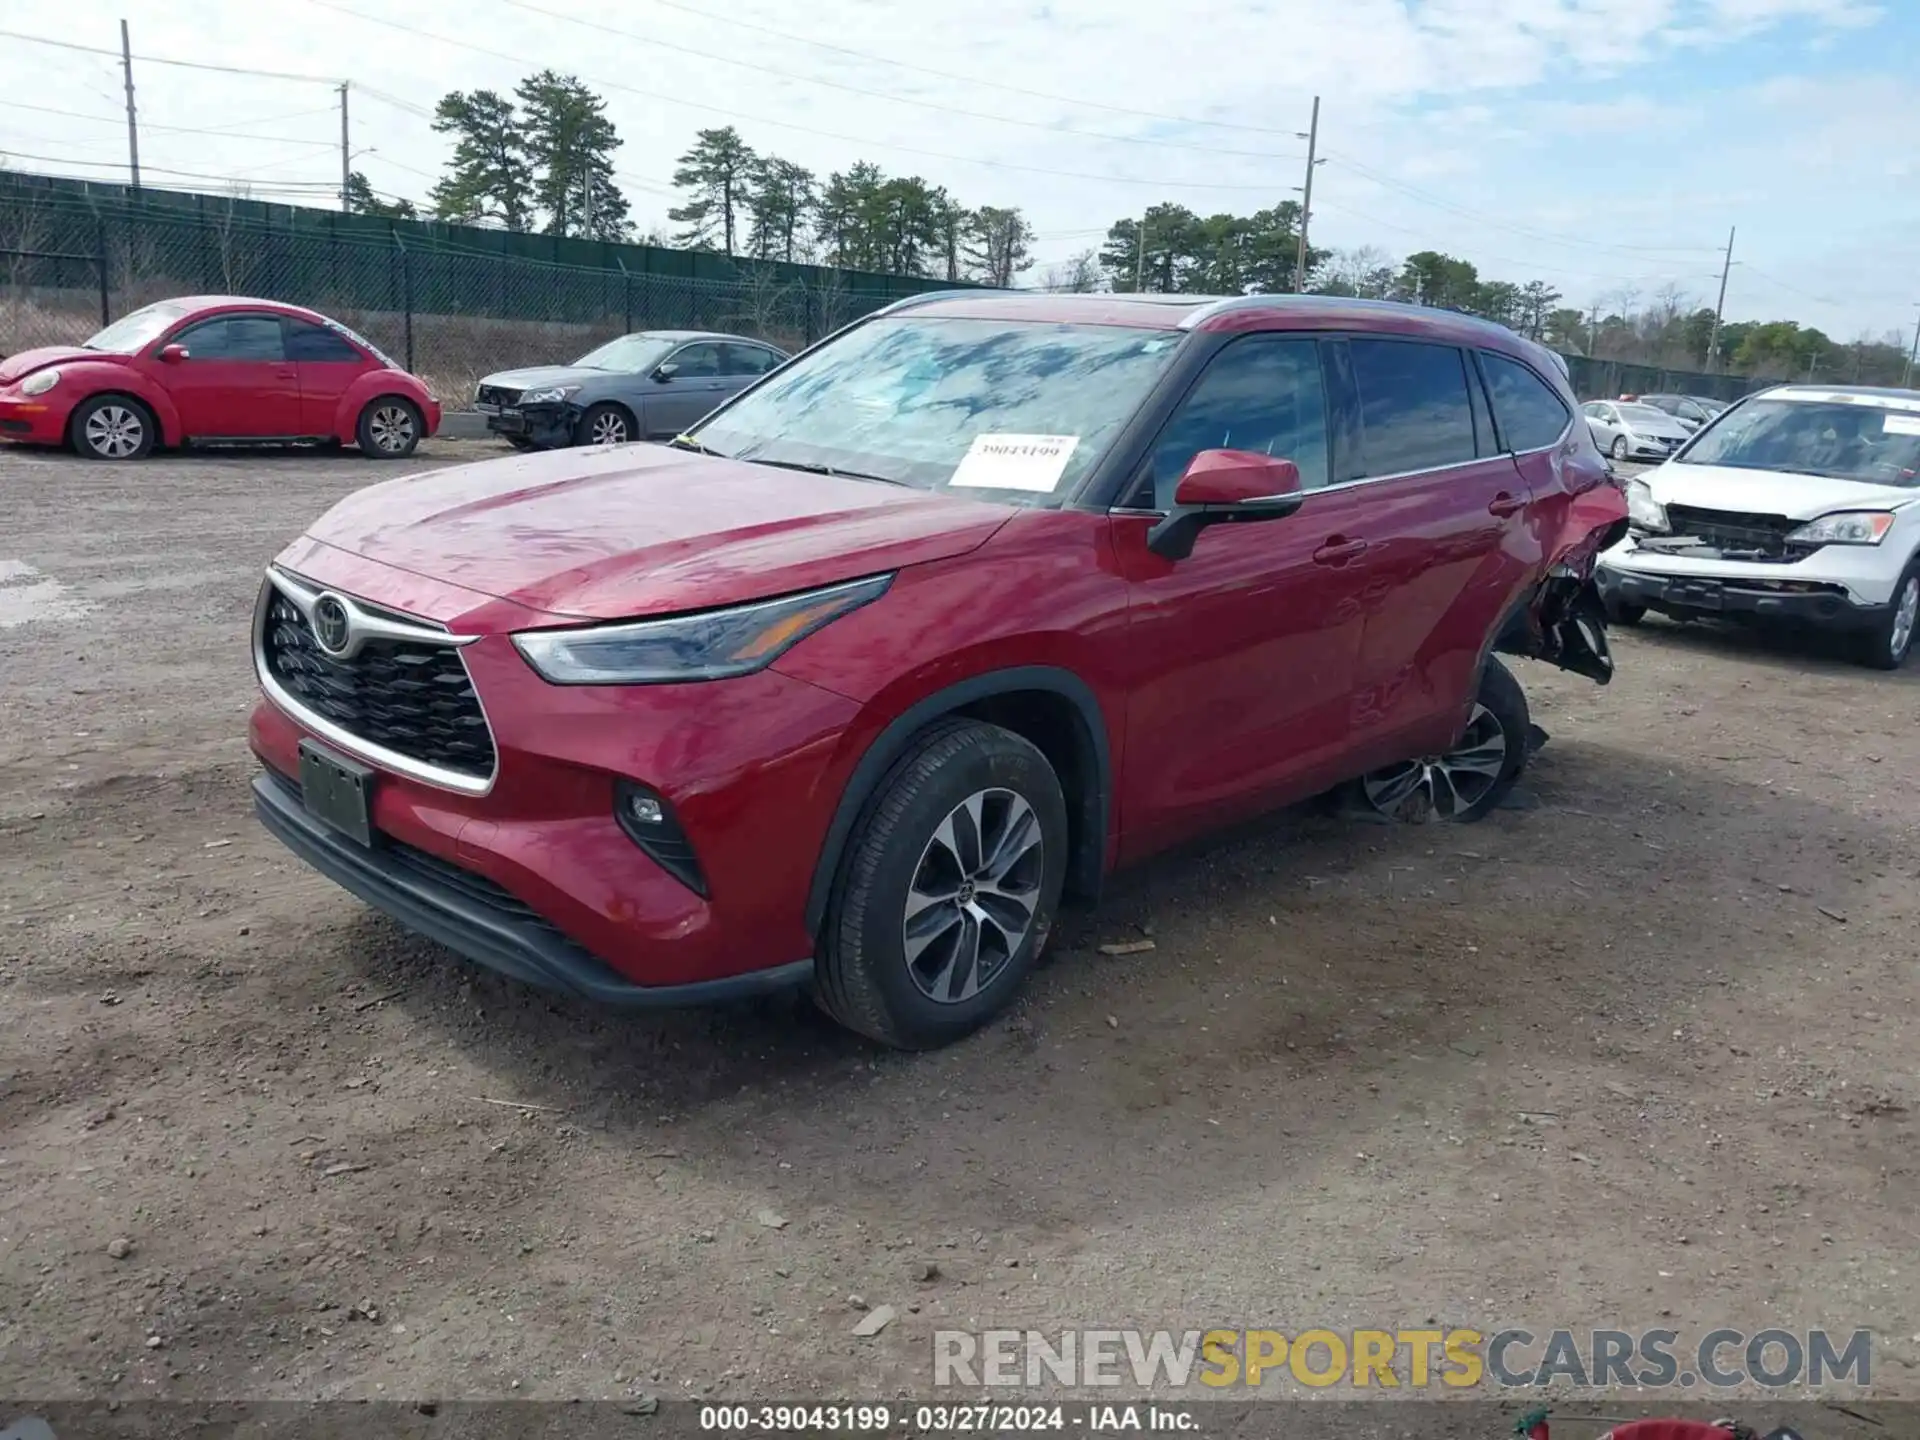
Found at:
(489, 178)
(719, 172)
(362, 201)
(780, 201)
(1001, 245)
(570, 144)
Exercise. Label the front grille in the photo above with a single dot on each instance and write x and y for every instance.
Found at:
(1738, 530)
(412, 698)
(495, 395)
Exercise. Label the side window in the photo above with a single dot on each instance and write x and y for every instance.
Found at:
(749, 359)
(235, 337)
(1530, 415)
(1414, 412)
(697, 361)
(312, 343)
(1260, 394)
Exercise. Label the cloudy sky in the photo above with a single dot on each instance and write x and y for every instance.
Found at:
(1604, 146)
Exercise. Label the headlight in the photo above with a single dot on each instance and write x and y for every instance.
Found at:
(39, 382)
(1845, 527)
(1642, 509)
(548, 395)
(711, 645)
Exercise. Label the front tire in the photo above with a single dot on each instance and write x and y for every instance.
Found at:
(1619, 612)
(1467, 782)
(948, 888)
(605, 424)
(1887, 645)
(390, 428)
(1619, 450)
(113, 427)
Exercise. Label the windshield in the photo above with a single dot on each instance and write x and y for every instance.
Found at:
(1019, 411)
(1647, 414)
(135, 332)
(1840, 441)
(630, 354)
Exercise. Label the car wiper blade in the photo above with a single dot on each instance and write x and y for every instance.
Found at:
(687, 442)
(812, 469)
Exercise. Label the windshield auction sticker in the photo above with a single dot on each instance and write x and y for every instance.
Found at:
(1015, 462)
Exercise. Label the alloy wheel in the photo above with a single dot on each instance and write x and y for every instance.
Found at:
(391, 429)
(1444, 787)
(1905, 613)
(114, 432)
(972, 898)
(609, 429)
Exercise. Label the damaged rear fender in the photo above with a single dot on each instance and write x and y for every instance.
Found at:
(1564, 624)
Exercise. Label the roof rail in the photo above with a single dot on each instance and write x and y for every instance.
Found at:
(928, 297)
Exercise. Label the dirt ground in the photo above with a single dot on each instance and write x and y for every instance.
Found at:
(1644, 1055)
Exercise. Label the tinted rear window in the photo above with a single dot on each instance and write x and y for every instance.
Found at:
(1529, 414)
(1414, 411)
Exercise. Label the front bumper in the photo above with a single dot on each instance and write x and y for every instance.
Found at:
(33, 421)
(1738, 598)
(477, 919)
(547, 426)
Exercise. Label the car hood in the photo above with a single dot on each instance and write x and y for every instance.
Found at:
(18, 366)
(634, 530)
(1768, 492)
(537, 377)
(1664, 429)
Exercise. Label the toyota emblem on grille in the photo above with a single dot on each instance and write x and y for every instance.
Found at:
(331, 625)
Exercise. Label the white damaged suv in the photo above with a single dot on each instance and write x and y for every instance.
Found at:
(1797, 506)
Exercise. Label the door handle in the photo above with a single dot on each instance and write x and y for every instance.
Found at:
(1505, 504)
(1338, 551)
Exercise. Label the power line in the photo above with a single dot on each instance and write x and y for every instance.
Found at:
(159, 60)
(682, 102)
(171, 129)
(970, 79)
(323, 186)
(656, 42)
(1525, 231)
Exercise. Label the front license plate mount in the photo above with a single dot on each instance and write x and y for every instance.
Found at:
(337, 791)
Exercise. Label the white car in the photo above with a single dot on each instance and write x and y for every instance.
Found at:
(1800, 505)
(1627, 430)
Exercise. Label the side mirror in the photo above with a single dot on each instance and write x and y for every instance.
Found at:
(1225, 487)
(173, 354)
(665, 372)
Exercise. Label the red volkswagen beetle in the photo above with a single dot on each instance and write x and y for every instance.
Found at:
(218, 369)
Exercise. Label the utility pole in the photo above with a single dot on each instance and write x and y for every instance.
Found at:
(1906, 381)
(1593, 327)
(1306, 200)
(133, 125)
(346, 158)
(1719, 307)
(1140, 257)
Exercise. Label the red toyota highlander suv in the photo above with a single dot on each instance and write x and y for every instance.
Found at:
(948, 616)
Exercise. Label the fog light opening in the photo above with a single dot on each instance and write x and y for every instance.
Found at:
(651, 824)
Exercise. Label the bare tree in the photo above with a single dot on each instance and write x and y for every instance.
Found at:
(1077, 275)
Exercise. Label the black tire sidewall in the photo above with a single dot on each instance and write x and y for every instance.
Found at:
(363, 427)
(1619, 449)
(583, 432)
(1501, 693)
(865, 929)
(1876, 646)
(77, 428)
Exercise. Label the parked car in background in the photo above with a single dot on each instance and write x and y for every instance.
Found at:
(1628, 430)
(1799, 506)
(1692, 411)
(846, 686)
(215, 369)
(649, 385)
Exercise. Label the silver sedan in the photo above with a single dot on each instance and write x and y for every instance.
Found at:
(1630, 431)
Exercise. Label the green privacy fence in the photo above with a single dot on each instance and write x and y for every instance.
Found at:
(450, 302)
(1609, 379)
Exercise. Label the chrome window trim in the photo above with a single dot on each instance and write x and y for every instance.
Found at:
(303, 596)
(1121, 511)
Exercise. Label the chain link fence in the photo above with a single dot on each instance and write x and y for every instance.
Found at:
(449, 314)
(1595, 379)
